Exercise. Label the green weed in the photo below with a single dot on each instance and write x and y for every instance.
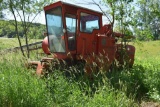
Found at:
(70, 87)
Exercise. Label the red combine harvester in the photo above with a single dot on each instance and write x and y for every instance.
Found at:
(77, 34)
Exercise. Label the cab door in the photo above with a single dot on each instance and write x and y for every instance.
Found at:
(70, 20)
(88, 27)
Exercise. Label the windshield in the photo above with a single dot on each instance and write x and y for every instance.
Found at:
(55, 30)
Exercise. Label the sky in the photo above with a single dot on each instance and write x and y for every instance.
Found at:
(41, 17)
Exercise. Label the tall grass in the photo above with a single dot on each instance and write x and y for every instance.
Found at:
(119, 88)
(19, 87)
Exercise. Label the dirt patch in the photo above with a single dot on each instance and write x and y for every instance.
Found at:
(150, 104)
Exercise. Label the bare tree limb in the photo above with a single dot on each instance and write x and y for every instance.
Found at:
(101, 10)
(94, 3)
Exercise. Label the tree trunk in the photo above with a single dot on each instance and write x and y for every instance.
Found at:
(16, 27)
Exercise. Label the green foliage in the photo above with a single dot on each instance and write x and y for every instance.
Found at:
(126, 31)
(20, 88)
(145, 35)
(119, 88)
(7, 30)
(26, 11)
(120, 12)
(119, 8)
(146, 20)
(148, 57)
(141, 15)
(151, 77)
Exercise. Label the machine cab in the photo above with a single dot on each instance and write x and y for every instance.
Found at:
(71, 29)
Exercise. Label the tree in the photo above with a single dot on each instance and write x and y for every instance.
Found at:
(147, 19)
(7, 29)
(1, 14)
(117, 11)
(26, 11)
(141, 16)
(155, 11)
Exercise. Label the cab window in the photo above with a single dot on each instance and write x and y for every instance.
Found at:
(88, 22)
(71, 31)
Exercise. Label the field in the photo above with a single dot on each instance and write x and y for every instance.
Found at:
(138, 86)
(6, 43)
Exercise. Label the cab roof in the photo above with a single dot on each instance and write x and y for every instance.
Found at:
(64, 4)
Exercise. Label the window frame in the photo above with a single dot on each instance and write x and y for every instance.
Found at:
(92, 29)
(49, 38)
(71, 32)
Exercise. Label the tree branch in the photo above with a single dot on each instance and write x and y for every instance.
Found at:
(101, 10)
